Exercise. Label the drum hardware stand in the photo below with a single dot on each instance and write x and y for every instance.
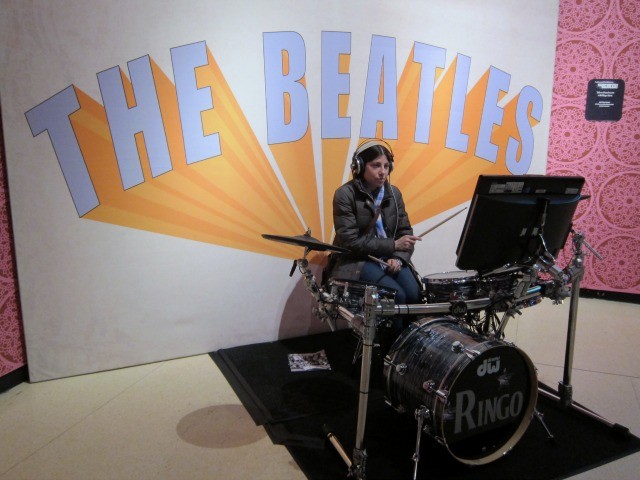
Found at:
(322, 298)
(358, 350)
(490, 322)
(373, 308)
(421, 415)
(526, 289)
(512, 310)
(371, 301)
(573, 274)
(575, 271)
(508, 315)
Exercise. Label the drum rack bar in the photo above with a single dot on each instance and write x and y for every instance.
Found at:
(429, 309)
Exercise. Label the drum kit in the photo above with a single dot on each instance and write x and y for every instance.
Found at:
(468, 388)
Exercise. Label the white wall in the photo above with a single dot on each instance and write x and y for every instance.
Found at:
(99, 295)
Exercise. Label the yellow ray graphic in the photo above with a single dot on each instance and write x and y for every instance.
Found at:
(200, 201)
(335, 153)
(296, 162)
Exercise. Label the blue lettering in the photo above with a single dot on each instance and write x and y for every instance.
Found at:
(192, 101)
(284, 80)
(457, 140)
(125, 122)
(492, 114)
(528, 96)
(381, 81)
(430, 58)
(52, 116)
(334, 84)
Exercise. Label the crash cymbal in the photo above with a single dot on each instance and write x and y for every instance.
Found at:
(306, 241)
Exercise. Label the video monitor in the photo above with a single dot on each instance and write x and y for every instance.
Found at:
(514, 218)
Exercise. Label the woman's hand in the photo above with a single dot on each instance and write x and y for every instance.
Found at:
(394, 265)
(406, 243)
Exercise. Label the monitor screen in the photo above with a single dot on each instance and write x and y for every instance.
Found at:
(512, 219)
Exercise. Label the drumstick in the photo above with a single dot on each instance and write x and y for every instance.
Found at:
(443, 221)
(376, 259)
(382, 262)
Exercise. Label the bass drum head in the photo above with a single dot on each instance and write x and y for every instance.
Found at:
(481, 393)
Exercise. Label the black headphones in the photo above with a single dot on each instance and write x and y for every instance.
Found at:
(357, 164)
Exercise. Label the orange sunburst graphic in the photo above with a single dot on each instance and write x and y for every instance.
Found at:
(231, 199)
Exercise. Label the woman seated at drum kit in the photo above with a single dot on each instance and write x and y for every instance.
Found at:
(371, 222)
(466, 387)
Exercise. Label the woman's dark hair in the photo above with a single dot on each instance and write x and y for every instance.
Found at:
(374, 152)
(367, 155)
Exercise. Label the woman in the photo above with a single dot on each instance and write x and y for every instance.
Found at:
(370, 221)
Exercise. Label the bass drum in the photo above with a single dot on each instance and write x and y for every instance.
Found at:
(480, 393)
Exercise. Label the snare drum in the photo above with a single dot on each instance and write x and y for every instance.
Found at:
(480, 393)
(450, 286)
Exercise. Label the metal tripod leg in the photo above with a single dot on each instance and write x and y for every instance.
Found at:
(421, 414)
(540, 416)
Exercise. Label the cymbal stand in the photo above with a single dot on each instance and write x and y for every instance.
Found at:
(575, 270)
(571, 275)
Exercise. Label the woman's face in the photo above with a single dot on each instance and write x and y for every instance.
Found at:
(376, 171)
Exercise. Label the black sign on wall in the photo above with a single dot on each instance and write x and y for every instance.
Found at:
(604, 100)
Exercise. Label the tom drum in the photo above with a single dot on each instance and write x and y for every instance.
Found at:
(350, 293)
(450, 286)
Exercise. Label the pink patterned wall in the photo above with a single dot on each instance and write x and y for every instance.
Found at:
(601, 39)
(12, 354)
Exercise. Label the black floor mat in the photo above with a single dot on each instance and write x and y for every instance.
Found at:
(294, 408)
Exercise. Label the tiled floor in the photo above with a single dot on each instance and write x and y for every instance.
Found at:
(180, 419)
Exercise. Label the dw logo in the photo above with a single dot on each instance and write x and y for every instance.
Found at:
(489, 366)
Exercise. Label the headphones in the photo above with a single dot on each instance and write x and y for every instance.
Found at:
(357, 164)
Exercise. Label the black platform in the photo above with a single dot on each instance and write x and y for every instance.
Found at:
(294, 407)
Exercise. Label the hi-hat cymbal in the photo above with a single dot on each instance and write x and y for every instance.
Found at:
(306, 241)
